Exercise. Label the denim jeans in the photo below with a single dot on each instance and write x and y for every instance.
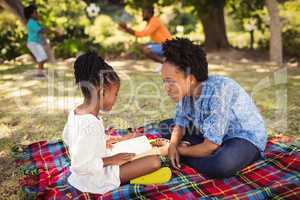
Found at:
(232, 155)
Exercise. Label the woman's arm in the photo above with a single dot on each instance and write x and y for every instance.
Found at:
(173, 153)
(177, 135)
(125, 28)
(203, 149)
(148, 30)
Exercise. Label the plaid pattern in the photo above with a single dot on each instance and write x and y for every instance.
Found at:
(45, 167)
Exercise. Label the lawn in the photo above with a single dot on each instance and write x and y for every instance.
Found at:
(33, 109)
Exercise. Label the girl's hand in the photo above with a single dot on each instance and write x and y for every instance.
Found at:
(174, 157)
(122, 158)
(112, 140)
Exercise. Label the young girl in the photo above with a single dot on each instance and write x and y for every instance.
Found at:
(219, 122)
(93, 168)
(35, 40)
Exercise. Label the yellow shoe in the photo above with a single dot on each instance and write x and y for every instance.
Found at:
(162, 175)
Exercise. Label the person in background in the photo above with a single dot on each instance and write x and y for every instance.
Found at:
(35, 39)
(156, 30)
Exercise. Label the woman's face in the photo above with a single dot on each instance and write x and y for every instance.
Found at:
(176, 83)
(108, 97)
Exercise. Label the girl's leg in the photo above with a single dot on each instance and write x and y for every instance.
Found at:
(41, 65)
(231, 157)
(139, 167)
(40, 70)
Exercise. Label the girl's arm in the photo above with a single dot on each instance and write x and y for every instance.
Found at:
(203, 149)
(118, 159)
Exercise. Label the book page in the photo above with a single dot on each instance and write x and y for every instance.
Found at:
(138, 145)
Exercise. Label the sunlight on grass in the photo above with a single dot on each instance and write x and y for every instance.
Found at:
(33, 110)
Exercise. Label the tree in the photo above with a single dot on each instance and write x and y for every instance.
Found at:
(16, 7)
(211, 14)
(275, 30)
(247, 14)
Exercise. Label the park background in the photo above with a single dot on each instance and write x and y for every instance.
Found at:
(235, 33)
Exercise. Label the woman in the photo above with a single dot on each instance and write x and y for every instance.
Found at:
(219, 123)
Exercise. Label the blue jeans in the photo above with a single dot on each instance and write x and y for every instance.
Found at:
(232, 156)
(156, 48)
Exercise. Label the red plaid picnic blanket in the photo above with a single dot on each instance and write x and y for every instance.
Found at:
(46, 168)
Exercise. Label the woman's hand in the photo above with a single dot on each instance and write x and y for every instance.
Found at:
(123, 26)
(174, 157)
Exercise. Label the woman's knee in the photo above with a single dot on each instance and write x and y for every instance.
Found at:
(213, 168)
(223, 172)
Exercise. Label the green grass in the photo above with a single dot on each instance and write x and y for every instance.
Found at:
(32, 110)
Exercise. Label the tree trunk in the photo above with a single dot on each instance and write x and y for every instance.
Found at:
(275, 30)
(16, 7)
(213, 22)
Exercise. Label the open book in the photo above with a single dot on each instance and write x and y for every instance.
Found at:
(139, 145)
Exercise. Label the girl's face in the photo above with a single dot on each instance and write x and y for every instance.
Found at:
(176, 83)
(108, 97)
(35, 15)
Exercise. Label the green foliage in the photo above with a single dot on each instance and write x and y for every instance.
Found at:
(102, 34)
(245, 11)
(291, 42)
(202, 7)
(138, 4)
(290, 12)
(290, 18)
(69, 48)
(187, 20)
(70, 18)
(12, 40)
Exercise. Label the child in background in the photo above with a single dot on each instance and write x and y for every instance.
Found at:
(93, 168)
(35, 38)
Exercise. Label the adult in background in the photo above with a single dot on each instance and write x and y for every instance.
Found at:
(154, 29)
